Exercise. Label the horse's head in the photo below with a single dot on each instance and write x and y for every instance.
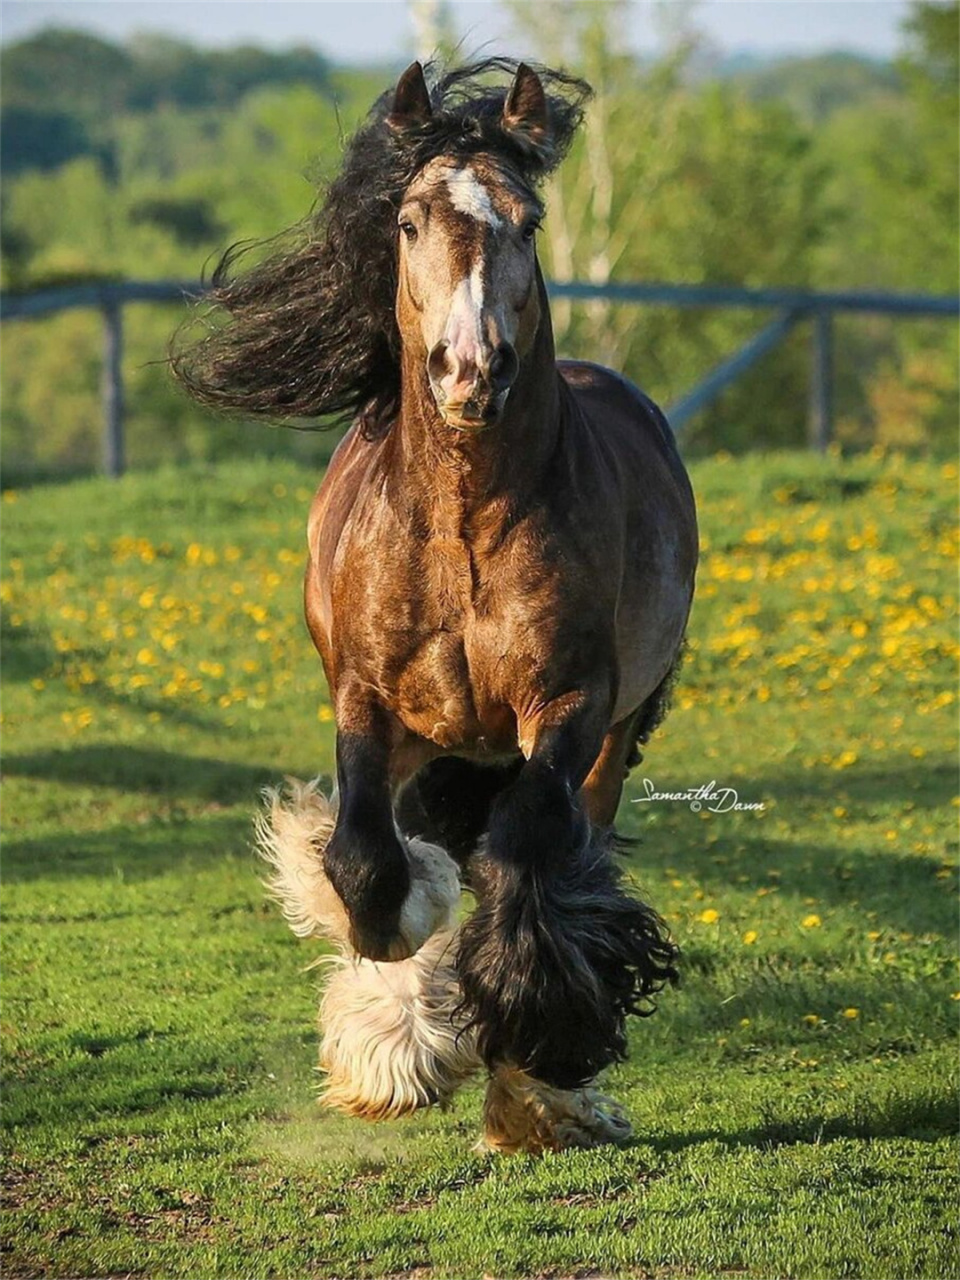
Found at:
(467, 295)
(424, 242)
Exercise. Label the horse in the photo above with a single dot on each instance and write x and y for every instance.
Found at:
(501, 563)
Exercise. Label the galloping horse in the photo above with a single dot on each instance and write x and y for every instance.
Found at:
(501, 566)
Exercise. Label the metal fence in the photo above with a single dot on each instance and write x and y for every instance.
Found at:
(791, 307)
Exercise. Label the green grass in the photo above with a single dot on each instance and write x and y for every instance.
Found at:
(794, 1102)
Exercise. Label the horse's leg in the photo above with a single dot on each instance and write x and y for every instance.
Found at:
(556, 954)
(448, 802)
(603, 785)
(390, 1039)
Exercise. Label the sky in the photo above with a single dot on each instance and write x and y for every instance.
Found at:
(381, 30)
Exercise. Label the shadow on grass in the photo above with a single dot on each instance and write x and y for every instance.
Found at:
(27, 653)
(927, 1119)
(143, 769)
(128, 853)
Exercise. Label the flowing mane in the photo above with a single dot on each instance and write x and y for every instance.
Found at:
(310, 330)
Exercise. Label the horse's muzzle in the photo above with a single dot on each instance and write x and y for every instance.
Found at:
(471, 394)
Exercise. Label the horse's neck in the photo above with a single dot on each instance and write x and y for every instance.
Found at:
(455, 473)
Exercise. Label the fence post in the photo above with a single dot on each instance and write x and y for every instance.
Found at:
(820, 427)
(112, 387)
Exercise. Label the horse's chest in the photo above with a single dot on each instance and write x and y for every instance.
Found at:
(441, 686)
(442, 642)
(435, 694)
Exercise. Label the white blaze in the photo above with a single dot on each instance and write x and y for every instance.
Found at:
(468, 195)
(464, 331)
(466, 308)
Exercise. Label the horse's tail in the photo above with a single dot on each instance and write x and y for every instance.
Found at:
(554, 959)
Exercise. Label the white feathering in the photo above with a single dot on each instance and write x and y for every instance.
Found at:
(291, 833)
(392, 1038)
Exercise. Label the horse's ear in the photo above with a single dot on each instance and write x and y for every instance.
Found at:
(525, 111)
(411, 99)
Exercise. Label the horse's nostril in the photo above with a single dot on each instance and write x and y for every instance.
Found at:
(438, 361)
(504, 367)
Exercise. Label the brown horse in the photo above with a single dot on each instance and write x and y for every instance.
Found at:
(501, 566)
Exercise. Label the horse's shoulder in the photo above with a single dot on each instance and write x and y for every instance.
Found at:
(340, 485)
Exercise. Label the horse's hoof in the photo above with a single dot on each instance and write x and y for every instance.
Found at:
(431, 905)
(524, 1114)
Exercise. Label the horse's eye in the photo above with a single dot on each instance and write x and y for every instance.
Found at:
(409, 230)
(531, 229)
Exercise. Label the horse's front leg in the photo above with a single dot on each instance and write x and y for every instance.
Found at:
(364, 858)
(557, 954)
(392, 1041)
(396, 894)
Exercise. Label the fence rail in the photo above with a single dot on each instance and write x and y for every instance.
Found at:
(793, 306)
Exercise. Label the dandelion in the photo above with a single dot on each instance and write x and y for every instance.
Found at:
(811, 1019)
(812, 921)
(709, 916)
(750, 937)
(851, 1013)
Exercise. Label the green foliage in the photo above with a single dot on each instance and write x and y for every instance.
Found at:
(894, 193)
(147, 161)
(794, 1102)
(815, 87)
(93, 79)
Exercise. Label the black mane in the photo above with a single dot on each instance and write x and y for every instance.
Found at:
(310, 331)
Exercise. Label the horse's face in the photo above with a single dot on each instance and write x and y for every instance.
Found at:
(467, 282)
(467, 295)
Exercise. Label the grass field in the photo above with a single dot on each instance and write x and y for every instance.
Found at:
(794, 1102)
